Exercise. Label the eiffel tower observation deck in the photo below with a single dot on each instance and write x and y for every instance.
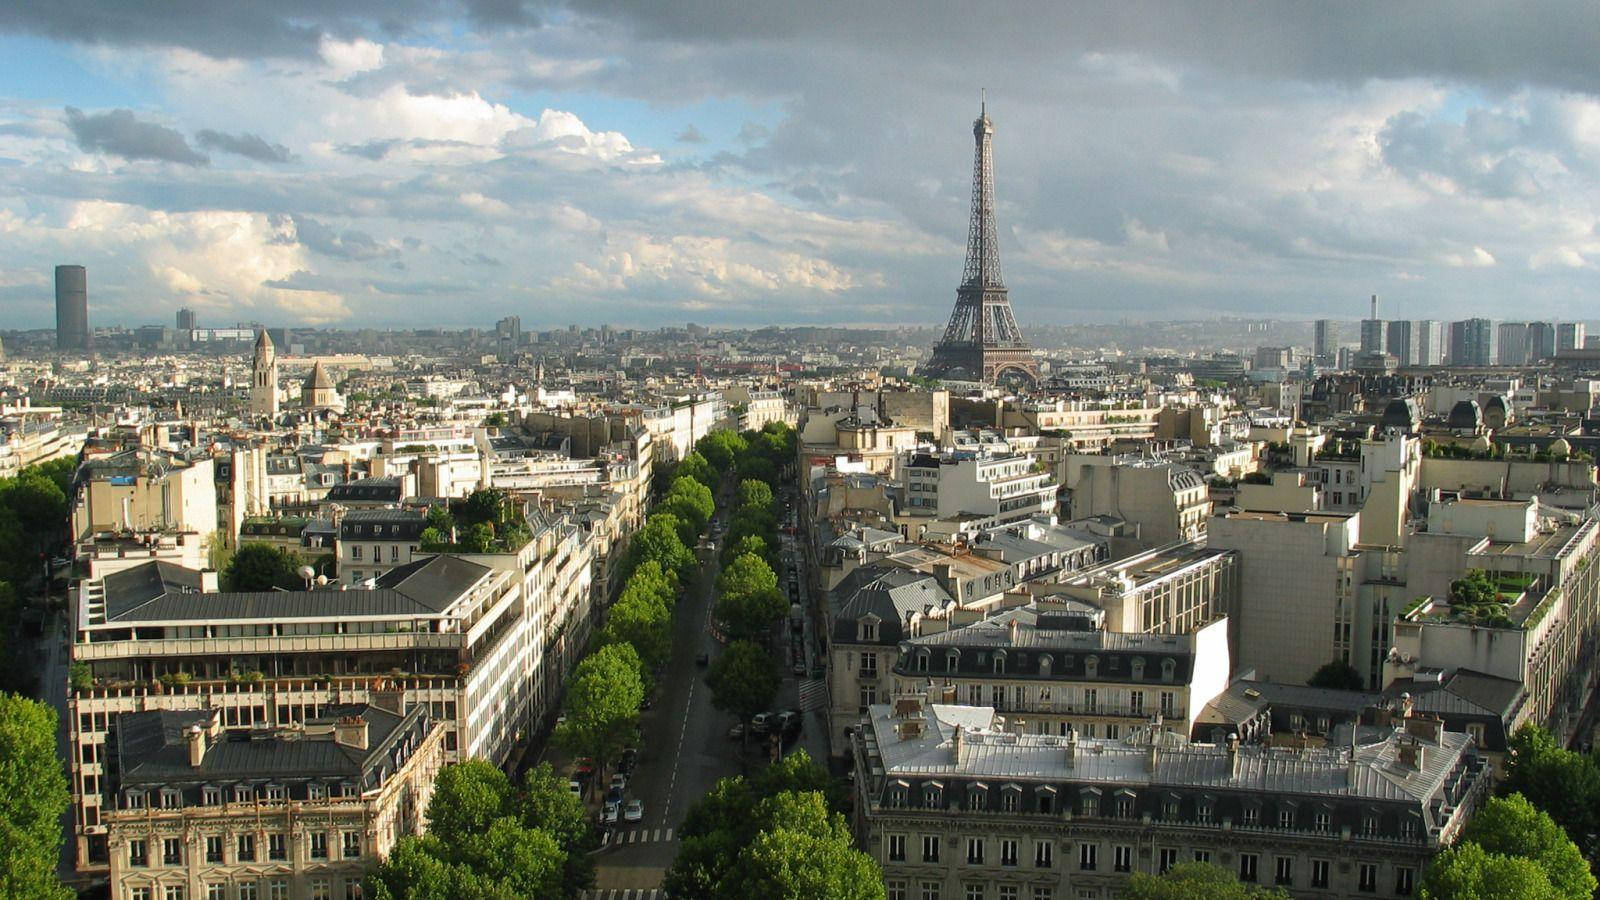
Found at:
(982, 341)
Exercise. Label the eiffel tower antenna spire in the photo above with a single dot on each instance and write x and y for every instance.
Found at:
(982, 341)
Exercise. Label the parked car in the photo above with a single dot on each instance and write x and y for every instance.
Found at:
(609, 815)
(736, 732)
(799, 667)
(584, 766)
(761, 723)
(576, 787)
(614, 795)
(788, 720)
(619, 782)
(626, 762)
(702, 659)
(634, 811)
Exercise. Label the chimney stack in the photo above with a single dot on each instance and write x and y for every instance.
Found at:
(1233, 756)
(1374, 306)
(1072, 749)
(197, 746)
(956, 741)
(351, 731)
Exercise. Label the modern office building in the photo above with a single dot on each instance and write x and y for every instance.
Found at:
(956, 801)
(1401, 342)
(1541, 341)
(72, 308)
(1325, 342)
(1471, 343)
(1570, 336)
(1429, 339)
(1512, 349)
(186, 320)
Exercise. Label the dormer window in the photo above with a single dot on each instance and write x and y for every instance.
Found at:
(922, 661)
(977, 797)
(1091, 665)
(211, 795)
(134, 799)
(243, 793)
(1168, 670)
(932, 794)
(1045, 663)
(316, 791)
(867, 631)
(952, 660)
(999, 662)
(1011, 798)
(1138, 668)
(897, 794)
(170, 799)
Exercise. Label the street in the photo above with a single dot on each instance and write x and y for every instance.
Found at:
(686, 747)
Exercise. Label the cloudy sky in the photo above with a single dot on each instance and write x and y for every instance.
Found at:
(427, 162)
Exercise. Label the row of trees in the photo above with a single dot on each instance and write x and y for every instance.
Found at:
(33, 511)
(776, 834)
(490, 840)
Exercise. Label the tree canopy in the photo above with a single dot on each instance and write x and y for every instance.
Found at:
(263, 567)
(1563, 783)
(660, 542)
(753, 492)
(1338, 675)
(487, 840)
(33, 795)
(749, 602)
(695, 466)
(1468, 872)
(1511, 826)
(721, 448)
(603, 700)
(743, 679)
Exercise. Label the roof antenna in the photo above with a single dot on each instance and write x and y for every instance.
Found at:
(983, 101)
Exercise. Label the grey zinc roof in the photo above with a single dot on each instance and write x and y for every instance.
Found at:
(995, 631)
(891, 593)
(1000, 756)
(161, 592)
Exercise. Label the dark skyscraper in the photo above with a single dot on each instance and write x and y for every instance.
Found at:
(982, 341)
(186, 319)
(72, 308)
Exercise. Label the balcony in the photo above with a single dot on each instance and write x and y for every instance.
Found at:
(270, 645)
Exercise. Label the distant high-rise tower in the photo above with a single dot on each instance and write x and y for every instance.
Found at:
(1472, 343)
(982, 341)
(1400, 342)
(1372, 330)
(1512, 344)
(1325, 342)
(186, 319)
(264, 379)
(72, 308)
(1429, 339)
(1569, 336)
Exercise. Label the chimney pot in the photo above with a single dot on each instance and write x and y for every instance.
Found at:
(197, 746)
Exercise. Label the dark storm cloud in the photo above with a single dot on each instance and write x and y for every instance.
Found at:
(120, 133)
(251, 146)
(1549, 43)
(349, 244)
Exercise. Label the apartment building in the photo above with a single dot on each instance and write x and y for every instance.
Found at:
(145, 489)
(986, 490)
(373, 541)
(450, 634)
(954, 802)
(1165, 501)
(193, 809)
(1175, 589)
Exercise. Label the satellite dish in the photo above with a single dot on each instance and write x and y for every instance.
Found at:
(307, 573)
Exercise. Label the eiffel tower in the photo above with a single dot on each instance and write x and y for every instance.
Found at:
(982, 341)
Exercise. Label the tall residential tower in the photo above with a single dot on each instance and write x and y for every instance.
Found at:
(72, 308)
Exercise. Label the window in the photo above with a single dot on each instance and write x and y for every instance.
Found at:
(896, 890)
(1169, 703)
(1322, 821)
(321, 889)
(1009, 892)
(869, 664)
(277, 846)
(211, 796)
(1247, 867)
(1122, 858)
(1091, 698)
(1368, 880)
(355, 551)
(930, 848)
(1043, 893)
(139, 893)
(931, 794)
(977, 798)
(138, 855)
(1369, 826)
(1286, 818)
(1202, 811)
(214, 848)
(1136, 703)
(352, 889)
(1091, 804)
(974, 851)
(930, 890)
(1124, 807)
(247, 891)
(216, 892)
(1202, 856)
(1251, 816)
(1043, 854)
(278, 889)
(247, 848)
(869, 696)
(897, 796)
(1008, 852)
(974, 891)
(897, 848)
(1319, 873)
(173, 892)
(352, 844)
(1408, 829)
(868, 633)
(1284, 871)
(1086, 857)
(319, 845)
(1169, 810)
(170, 799)
(1168, 859)
(394, 553)
(1403, 880)
(172, 851)
(1010, 799)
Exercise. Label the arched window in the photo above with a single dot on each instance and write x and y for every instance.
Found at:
(999, 662)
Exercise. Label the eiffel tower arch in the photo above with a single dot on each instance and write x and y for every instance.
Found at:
(982, 341)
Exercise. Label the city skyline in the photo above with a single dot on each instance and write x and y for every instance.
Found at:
(598, 164)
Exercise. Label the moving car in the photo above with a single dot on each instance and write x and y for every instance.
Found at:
(629, 758)
(702, 659)
(634, 812)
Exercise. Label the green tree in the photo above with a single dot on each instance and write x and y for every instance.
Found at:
(417, 869)
(658, 541)
(1338, 675)
(638, 619)
(1561, 782)
(695, 466)
(1472, 589)
(439, 518)
(546, 804)
(690, 500)
(748, 600)
(33, 795)
(743, 680)
(1511, 826)
(721, 448)
(263, 567)
(1468, 872)
(603, 703)
(467, 797)
(1195, 881)
(748, 543)
(807, 852)
(755, 493)
(486, 505)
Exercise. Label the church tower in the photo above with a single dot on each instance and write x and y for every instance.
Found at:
(264, 379)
